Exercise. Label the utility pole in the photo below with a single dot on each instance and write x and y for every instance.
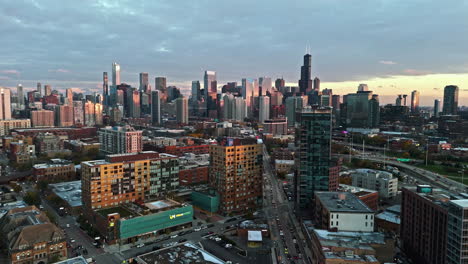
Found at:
(384, 157)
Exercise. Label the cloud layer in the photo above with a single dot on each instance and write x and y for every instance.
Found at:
(73, 42)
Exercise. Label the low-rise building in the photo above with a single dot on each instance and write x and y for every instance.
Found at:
(30, 237)
(276, 126)
(193, 169)
(206, 200)
(381, 181)
(179, 253)
(342, 211)
(348, 247)
(369, 197)
(285, 166)
(9, 124)
(57, 170)
(389, 220)
(130, 222)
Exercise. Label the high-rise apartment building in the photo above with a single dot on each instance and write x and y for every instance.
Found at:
(182, 113)
(236, 172)
(313, 136)
(436, 108)
(457, 232)
(450, 106)
(414, 101)
(64, 115)
(20, 94)
(423, 228)
(305, 83)
(7, 125)
(362, 110)
(89, 114)
(264, 108)
(155, 107)
(42, 118)
(293, 104)
(118, 140)
(78, 114)
(98, 116)
(115, 74)
(69, 96)
(124, 178)
(39, 89)
(249, 91)
(5, 103)
(47, 90)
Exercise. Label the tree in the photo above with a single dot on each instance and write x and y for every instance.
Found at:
(32, 198)
(17, 188)
(51, 217)
(42, 185)
(54, 258)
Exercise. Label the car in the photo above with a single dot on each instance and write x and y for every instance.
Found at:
(182, 240)
(204, 227)
(140, 245)
(228, 246)
(72, 240)
(174, 236)
(68, 225)
(197, 229)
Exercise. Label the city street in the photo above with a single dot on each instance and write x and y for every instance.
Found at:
(280, 213)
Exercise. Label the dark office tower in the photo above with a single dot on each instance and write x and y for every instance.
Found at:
(133, 103)
(374, 112)
(161, 86)
(317, 84)
(436, 107)
(414, 101)
(105, 89)
(155, 108)
(279, 83)
(144, 82)
(39, 88)
(314, 140)
(450, 100)
(305, 83)
(336, 101)
(20, 95)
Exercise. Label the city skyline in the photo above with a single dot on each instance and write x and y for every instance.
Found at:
(376, 48)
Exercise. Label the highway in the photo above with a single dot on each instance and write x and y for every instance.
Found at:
(285, 229)
(423, 176)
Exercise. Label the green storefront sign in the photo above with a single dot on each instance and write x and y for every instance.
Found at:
(154, 222)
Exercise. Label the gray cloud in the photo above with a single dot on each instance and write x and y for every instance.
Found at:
(179, 39)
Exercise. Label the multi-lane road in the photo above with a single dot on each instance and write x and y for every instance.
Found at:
(285, 231)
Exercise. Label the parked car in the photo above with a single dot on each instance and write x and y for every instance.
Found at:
(140, 245)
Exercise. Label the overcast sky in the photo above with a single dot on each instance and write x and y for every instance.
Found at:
(382, 42)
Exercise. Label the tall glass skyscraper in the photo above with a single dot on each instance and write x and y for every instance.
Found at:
(115, 74)
(313, 132)
(450, 100)
(155, 108)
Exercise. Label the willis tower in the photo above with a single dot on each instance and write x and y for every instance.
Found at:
(305, 83)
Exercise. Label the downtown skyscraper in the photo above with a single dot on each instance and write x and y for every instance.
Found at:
(305, 83)
(144, 83)
(5, 104)
(105, 89)
(450, 106)
(414, 101)
(155, 107)
(115, 74)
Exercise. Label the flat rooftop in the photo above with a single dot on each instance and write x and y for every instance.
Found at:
(161, 204)
(461, 203)
(70, 192)
(75, 260)
(182, 253)
(342, 202)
